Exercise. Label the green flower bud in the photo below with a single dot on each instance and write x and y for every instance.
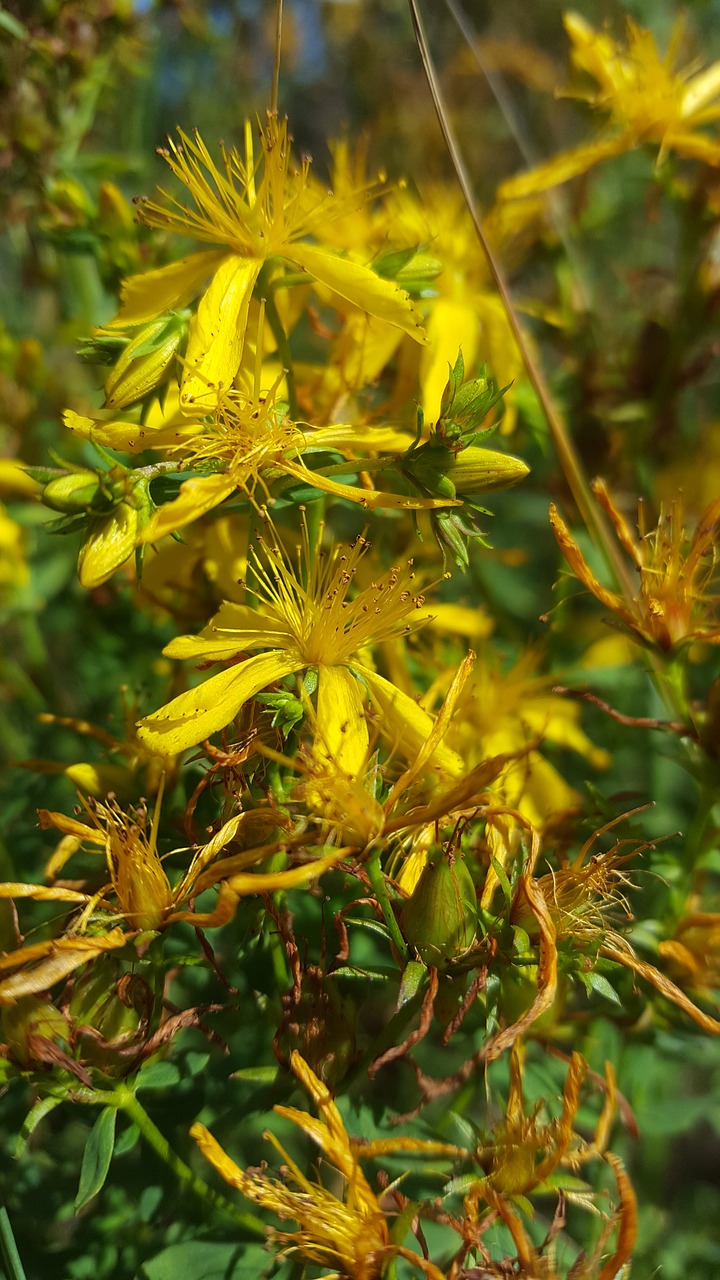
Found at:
(440, 919)
(72, 493)
(144, 361)
(478, 470)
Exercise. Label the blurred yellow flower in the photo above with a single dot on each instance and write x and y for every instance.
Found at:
(513, 713)
(647, 99)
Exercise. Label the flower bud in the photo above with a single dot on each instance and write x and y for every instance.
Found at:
(72, 493)
(115, 213)
(478, 470)
(440, 919)
(144, 361)
(109, 542)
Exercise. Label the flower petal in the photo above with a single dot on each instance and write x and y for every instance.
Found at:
(268, 881)
(217, 334)
(342, 727)
(143, 297)
(196, 497)
(193, 716)
(564, 166)
(360, 285)
(406, 724)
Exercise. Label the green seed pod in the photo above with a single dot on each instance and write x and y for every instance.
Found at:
(72, 493)
(29, 1017)
(440, 919)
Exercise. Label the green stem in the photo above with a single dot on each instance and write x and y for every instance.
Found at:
(377, 880)
(125, 1100)
(12, 1265)
(273, 316)
(696, 839)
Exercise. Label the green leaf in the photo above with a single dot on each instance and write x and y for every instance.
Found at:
(97, 1156)
(501, 874)
(158, 1075)
(12, 26)
(413, 978)
(32, 1120)
(596, 982)
(197, 1260)
(256, 1075)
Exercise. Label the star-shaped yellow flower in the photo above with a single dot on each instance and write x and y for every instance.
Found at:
(307, 621)
(256, 213)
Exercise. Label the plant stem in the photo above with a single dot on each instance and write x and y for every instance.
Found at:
(377, 880)
(12, 1264)
(273, 316)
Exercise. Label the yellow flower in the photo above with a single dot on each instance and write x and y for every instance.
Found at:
(673, 605)
(257, 215)
(247, 438)
(14, 572)
(139, 888)
(510, 713)
(648, 102)
(525, 1153)
(349, 1233)
(467, 312)
(313, 625)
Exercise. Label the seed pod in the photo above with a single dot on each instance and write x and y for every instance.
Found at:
(440, 919)
(72, 493)
(26, 1019)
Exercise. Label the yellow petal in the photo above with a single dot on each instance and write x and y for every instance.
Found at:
(58, 958)
(41, 893)
(193, 716)
(702, 89)
(342, 727)
(451, 325)
(196, 497)
(15, 481)
(268, 881)
(234, 628)
(372, 499)
(405, 724)
(151, 294)
(361, 286)
(564, 166)
(695, 145)
(217, 333)
(124, 435)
